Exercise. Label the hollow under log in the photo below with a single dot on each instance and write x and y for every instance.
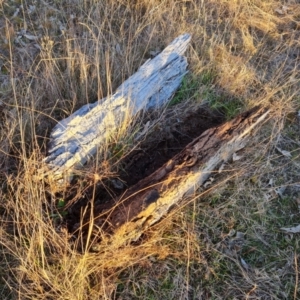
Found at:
(145, 203)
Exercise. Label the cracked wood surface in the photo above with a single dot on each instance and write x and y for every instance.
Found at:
(154, 196)
(76, 139)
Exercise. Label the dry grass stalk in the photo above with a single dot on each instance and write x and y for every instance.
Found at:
(56, 57)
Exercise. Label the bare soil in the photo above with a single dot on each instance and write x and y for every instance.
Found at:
(148, 157)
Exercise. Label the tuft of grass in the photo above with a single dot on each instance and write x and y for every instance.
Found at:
(187, 91)
(225, 104)
(191, 88)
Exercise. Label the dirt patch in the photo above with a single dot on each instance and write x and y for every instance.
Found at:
(150, 156)
(170, 137)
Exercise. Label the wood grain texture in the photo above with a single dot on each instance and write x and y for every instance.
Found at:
(153, 197)
(77, 138)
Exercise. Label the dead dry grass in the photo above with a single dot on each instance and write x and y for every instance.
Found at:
(58, 55)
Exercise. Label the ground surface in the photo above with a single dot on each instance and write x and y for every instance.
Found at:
(239, 239)
(168, 139)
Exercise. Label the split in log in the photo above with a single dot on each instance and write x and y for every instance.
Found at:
(153, 197)
(77, 138)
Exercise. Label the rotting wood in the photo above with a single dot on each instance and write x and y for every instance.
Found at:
(153, 197)
(77, 138)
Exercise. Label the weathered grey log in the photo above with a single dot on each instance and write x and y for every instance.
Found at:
(149, 200)
(76, 139)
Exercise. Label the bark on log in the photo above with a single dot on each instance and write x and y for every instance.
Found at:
(76, 139)
(153, 197)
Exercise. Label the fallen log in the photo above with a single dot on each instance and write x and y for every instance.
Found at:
(145, 203)
(77, 138)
